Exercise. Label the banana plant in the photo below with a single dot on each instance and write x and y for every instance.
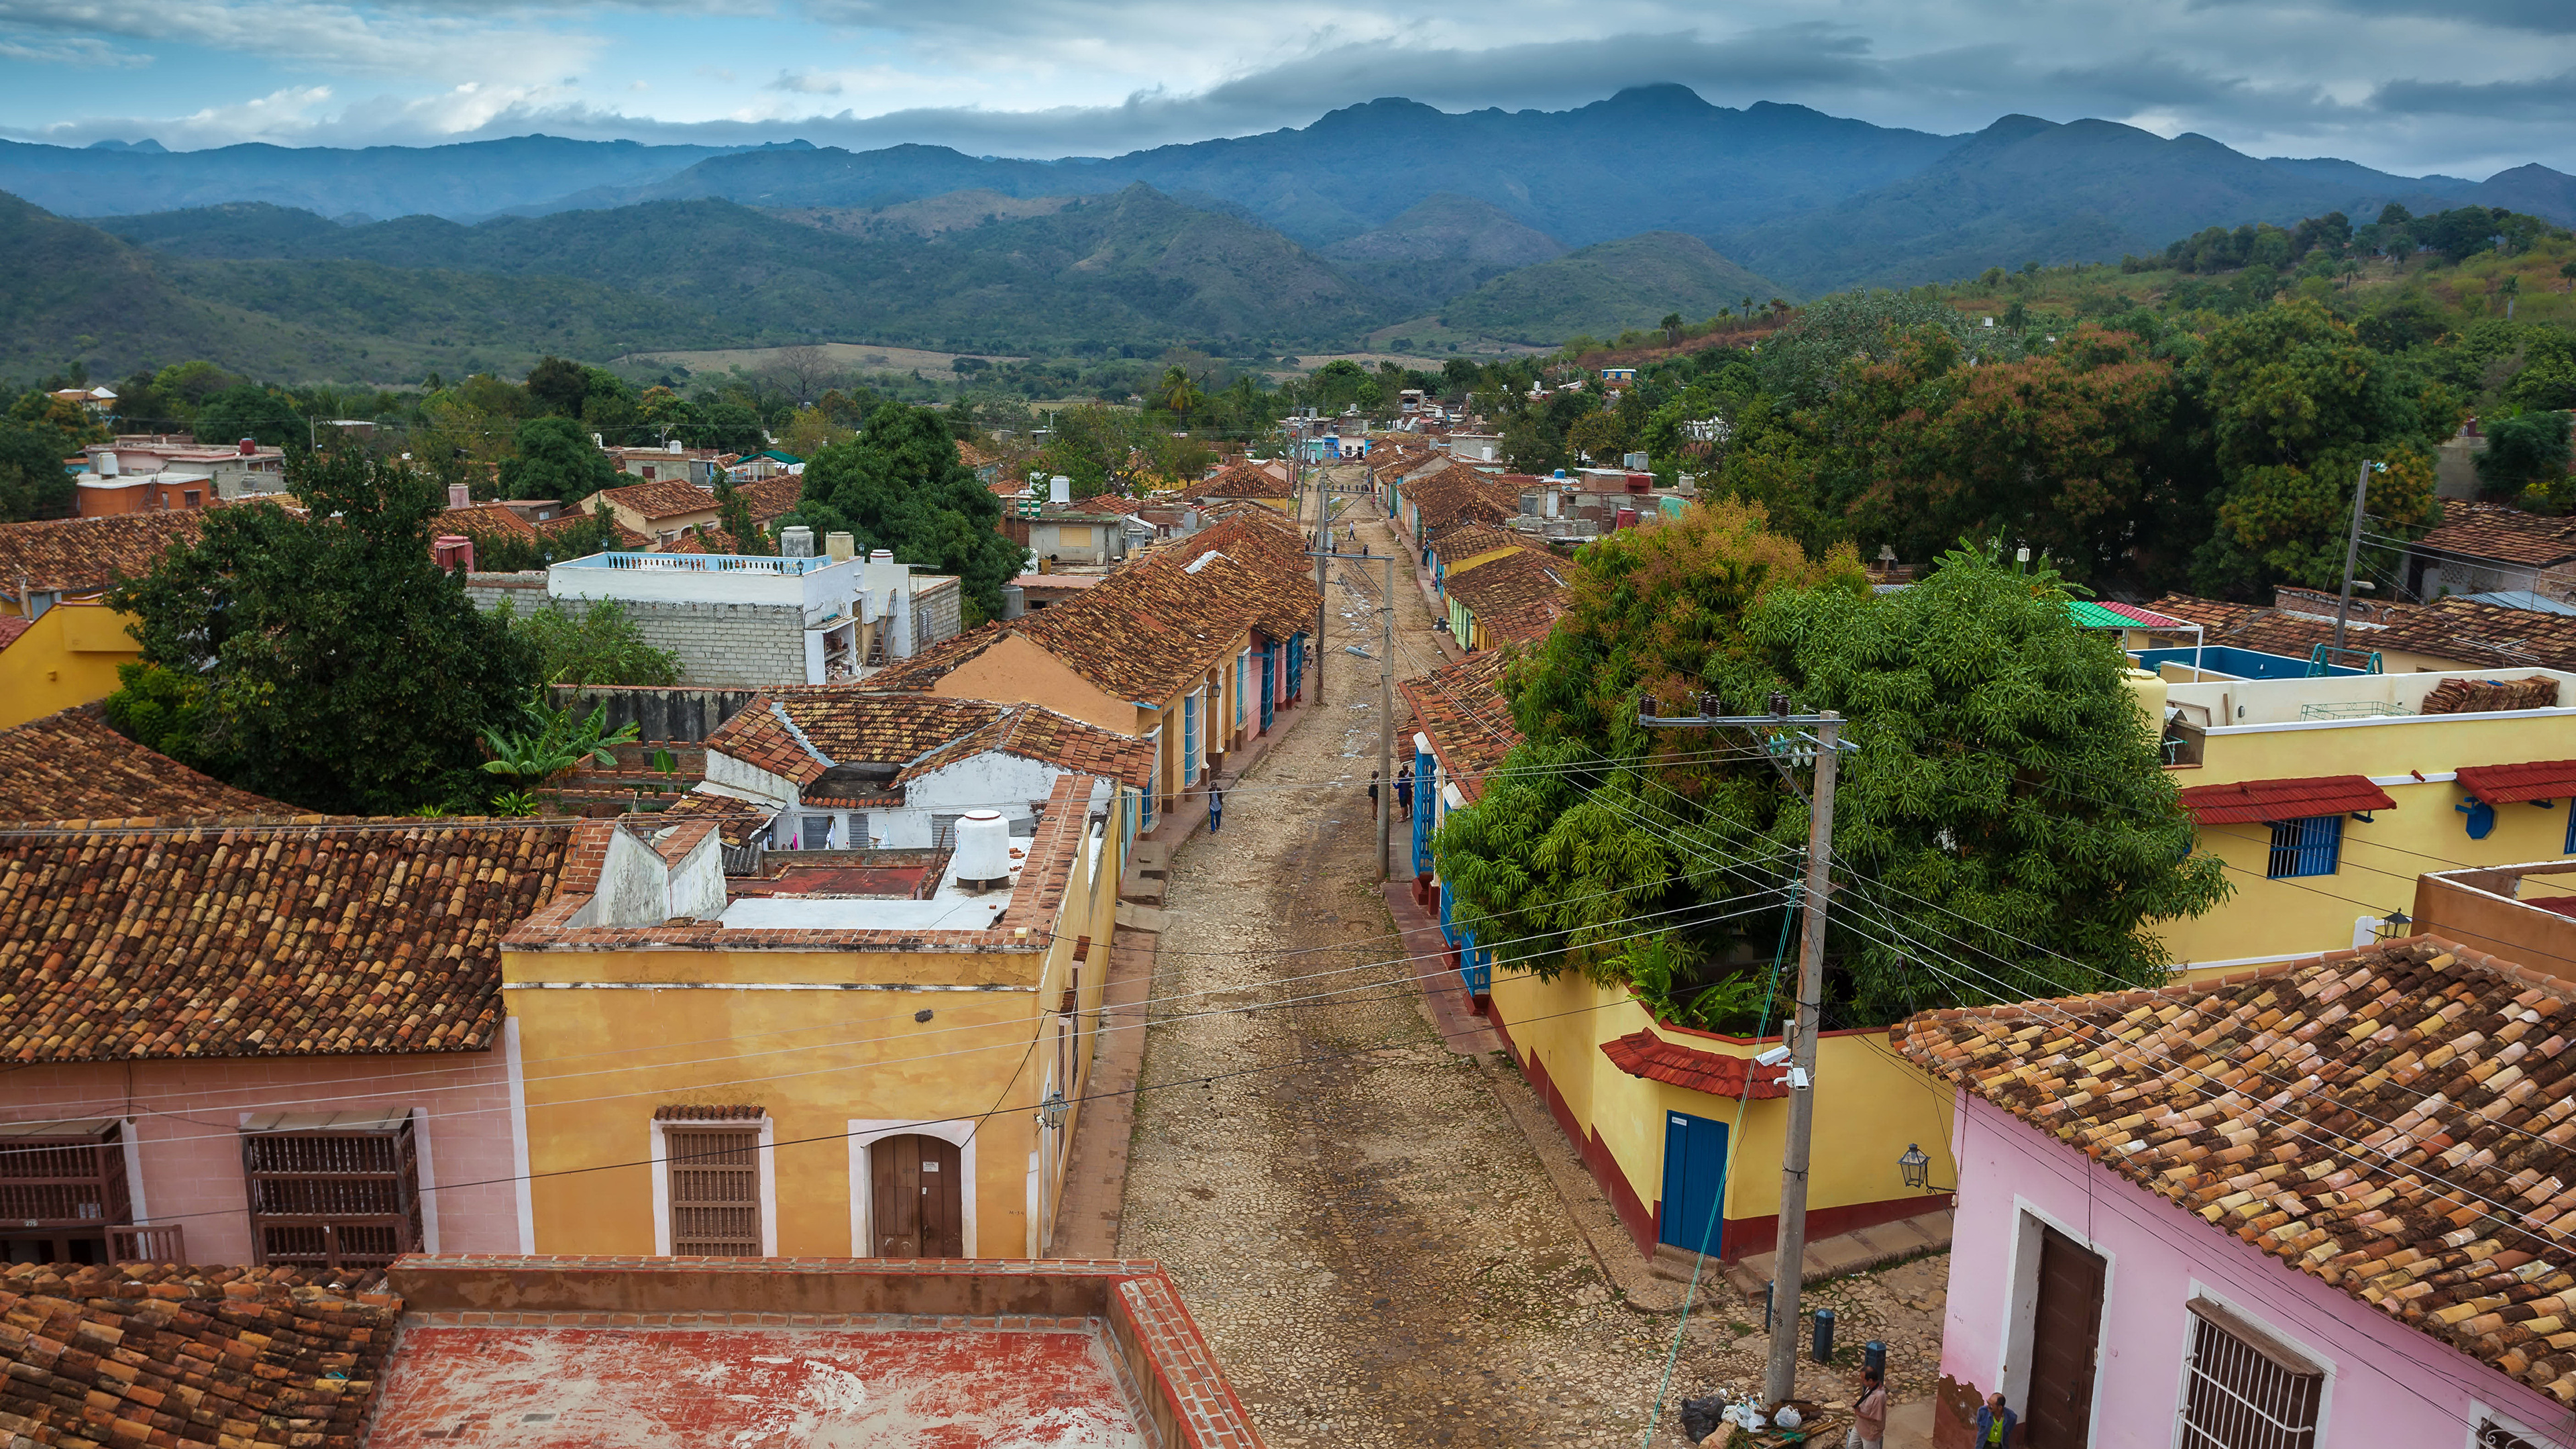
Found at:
(557, 739)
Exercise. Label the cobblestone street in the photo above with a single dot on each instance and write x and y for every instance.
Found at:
(1371, 1242)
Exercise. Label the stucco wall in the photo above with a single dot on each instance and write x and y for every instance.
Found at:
(727, 646)
(184, 1115)
(938, 612)
(1870, 1106)
(2387, 1385)
(68, 656)
(1014, 670)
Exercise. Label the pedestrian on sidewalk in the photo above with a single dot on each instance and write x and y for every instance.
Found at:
(1869, 1415)
(1995, 1425)
(1216, 809)
(1372, 794)
(1404, 791)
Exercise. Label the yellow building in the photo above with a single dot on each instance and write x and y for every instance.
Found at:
(65, 656)
(1196, 646)
(2327, 797)
(828, 1053)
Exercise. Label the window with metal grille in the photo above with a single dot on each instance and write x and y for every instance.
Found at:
(2244, 1389)
(2310, 846)
(62, 1189)
(332, 1190)
(715, 1190)
(2496, 1434)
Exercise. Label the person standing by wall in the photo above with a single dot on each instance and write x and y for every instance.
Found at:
(1373, 794)
(1404, 791)
(1995, 1425)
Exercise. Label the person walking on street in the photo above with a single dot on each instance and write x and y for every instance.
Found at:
(1869, 1415)
(1216, 809)
(1995, 1425)
(1372, 794)
(1404, 791)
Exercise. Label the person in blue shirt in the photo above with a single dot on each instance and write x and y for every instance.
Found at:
(1995, 1425)
(1216, 809)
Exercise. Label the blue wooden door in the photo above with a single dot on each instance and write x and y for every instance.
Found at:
(1694, 1181)
(1269, 685)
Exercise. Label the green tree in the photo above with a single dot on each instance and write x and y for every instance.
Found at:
(345, 671)
(2005, 785)
(33, 481)
(166, 710)
(2525, 462)
(1178, 394)
(252, 411)
(560, 387)
(1803, 362)
(595, 645)
(1600, 437)
(2299, 402)
(555, 459)
(900, 486)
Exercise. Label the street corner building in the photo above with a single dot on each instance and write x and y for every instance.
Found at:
(730, 1051)
(2322, 1204)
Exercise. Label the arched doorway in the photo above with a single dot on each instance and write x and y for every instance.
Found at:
(918, 1198)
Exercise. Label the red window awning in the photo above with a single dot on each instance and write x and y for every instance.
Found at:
(2262, 801)
(2534, 780)
(1644, 1054)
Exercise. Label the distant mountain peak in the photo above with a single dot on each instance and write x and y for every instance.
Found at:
(1668, 96)
(147, 146)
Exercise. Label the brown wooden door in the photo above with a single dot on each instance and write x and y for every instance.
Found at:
(2065, 1339)
(920, 1198)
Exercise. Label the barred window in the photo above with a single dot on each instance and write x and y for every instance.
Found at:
(2309, 846)
(715, 1189)
(332, 1190)
(2244, 1388)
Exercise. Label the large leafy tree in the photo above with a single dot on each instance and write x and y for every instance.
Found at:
(252, 411)
(2299, 404)
(2005, 801)
(33, 482)
(343, 670)
(555, 459)
(900, 486)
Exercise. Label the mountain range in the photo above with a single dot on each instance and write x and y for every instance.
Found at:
(1522, 226)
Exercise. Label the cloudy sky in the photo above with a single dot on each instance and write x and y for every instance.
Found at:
(2464, 87)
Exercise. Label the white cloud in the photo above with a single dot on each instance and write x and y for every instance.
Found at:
(806, 84)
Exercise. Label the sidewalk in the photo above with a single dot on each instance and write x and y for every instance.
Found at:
(1095, 1184)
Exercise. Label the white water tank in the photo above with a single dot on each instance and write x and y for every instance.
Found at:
(796, 541)
(1060, 490)
(983, 850)
(107, 465)
(839, 547)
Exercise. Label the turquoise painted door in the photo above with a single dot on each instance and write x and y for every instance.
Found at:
(1694, 1182)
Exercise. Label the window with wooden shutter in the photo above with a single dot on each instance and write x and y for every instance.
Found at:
(715, 1189)
(2244, 1388)
(62, 1186)
(332, 1190)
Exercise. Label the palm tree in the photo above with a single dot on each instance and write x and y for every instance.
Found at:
(1672, 328)
(1178, 394)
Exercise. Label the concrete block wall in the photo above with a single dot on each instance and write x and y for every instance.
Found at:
(727, 646)
(937, 611)
(526, 592)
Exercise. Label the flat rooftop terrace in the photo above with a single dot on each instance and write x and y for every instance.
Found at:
(684, 1388)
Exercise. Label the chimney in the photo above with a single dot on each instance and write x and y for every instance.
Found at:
(1060, 490)
(458, 496)
(839, 546)
(249, 446)
(796, 541)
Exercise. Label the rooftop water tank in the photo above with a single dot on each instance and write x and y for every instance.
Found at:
(983, 850)
(796, 541)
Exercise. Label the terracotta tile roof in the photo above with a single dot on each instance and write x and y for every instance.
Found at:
(73, 766)
(703, 538)
(1458, 495)
(736, 821)
(2512, 784)
(2456, 631)
(2389, 1121)
(2263, 801)
(11, 627)
(1514, 599)
(1245, 480)
(1461, 708)
(1644, 1054)
(770, 498)
(483, 520)
(225, 939)
(628, 540)
(1469, 540)
(974, 457)
(1154, 627)
(84, 555)
(2507, 535)
(800, 731)
(143, 1354)
(660, 498)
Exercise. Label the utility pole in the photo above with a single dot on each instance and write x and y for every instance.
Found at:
(2352, 551)
(1780, 1374)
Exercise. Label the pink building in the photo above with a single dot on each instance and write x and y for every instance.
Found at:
(2324, 1205)
(261, 1041)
